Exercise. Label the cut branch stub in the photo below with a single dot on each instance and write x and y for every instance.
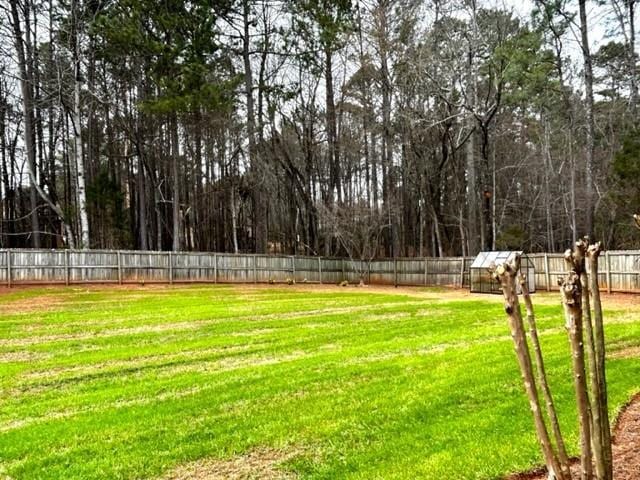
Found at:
(571, 290)
(575, 258)
(594, 250)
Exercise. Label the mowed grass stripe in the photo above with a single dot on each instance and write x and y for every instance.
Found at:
(194, 362)
(155, 385)
(375, 385)
(283, 341)
(105, 321)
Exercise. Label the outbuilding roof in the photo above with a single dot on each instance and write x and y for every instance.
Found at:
(488, 259)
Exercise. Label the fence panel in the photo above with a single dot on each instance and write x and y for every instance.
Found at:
(37, 266)
(142, 266)
(95, 266)
(444, 271)
(332, 270)
(235, 268)
(381, 272)
(353, 270)
(271, 268)
(306, 269)
(193, 267)
(624, 271)
(410, 271)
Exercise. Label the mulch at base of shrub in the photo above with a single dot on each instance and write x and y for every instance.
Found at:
(626, 448)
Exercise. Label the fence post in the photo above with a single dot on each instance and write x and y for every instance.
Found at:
(170, 268)
(255, 268)
(462, 273)
(608, 259)
(395, 272)
(343, 270)
(425, 271)
(320, 269)
(547, 273)
(8, 268)
(215, 268)
(119, 255)
(369, 272)
(293, 267)
(66, 267)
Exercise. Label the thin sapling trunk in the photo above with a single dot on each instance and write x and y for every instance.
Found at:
(506, 274)
(599, 393)
(571, 294)
(542, 378)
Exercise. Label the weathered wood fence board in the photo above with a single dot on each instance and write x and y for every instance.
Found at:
(619, 270)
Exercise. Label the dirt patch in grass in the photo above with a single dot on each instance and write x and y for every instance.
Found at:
(627, 352)
(41, 303)
(258, 464)
(621, 299)
(412, 291)
(378, 317)
(21, 356)
(626, 448)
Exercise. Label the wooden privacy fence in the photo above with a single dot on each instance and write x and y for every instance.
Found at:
(28, 266)
(619, 270)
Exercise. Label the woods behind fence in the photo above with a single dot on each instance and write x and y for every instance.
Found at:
(620, 270)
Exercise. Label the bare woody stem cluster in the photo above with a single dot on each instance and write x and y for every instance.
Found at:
(507, 274)
(578, 289)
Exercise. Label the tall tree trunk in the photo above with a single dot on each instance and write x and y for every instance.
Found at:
(473, 237)
(7, 193)
(332, 128)
(589, 144)
(259, 198)
(175, 173)
(486, 230)
(77, 130)
(573, 214)
(548, 171)
(142, 204)
(26, 88)
(631, 57)
(388, 174)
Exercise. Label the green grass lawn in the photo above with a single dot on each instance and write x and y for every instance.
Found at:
(107, 383)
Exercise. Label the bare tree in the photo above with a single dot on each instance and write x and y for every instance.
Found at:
(26, 85)
(359, 230)
(76, 32)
